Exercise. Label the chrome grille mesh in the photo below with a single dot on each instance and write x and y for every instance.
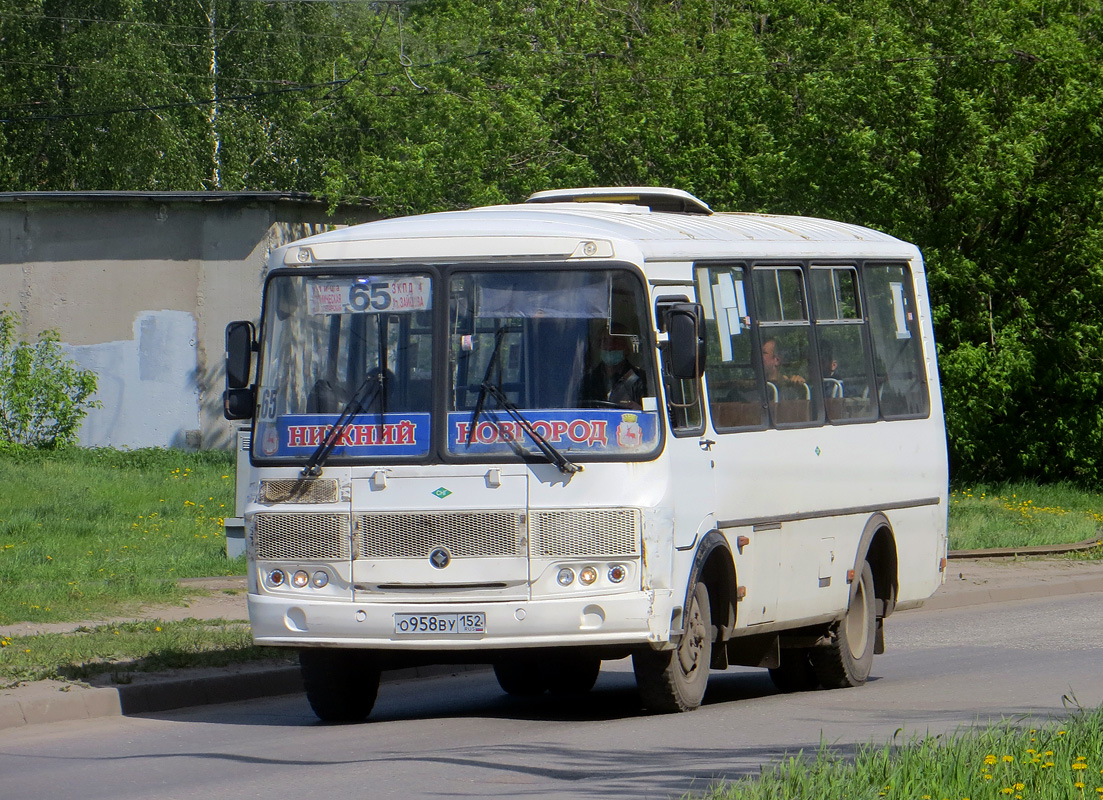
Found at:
(301, 536)
(588, 532)
(297, 491)
(493, 534)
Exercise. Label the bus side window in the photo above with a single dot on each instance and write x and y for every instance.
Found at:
(785, 333)
(897, 351)
(734, 389)
(843, 345)
(683, 397)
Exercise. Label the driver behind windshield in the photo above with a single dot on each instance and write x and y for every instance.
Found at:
(613, 379)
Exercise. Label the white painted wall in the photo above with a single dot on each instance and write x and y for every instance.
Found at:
(146, 384)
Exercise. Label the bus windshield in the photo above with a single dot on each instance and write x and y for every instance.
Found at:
(540, 364)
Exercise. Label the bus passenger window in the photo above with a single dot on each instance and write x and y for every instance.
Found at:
(843, 345)
(734, 388)
(785, 331)
(898, 355)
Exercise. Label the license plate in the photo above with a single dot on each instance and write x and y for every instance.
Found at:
(470, 622)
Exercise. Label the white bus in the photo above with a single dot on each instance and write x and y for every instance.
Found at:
(603, 423)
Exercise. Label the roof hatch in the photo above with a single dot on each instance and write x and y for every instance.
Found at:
(655, 198)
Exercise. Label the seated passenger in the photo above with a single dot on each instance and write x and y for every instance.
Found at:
(771, 365)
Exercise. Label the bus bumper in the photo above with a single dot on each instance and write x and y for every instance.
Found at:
(636, 618)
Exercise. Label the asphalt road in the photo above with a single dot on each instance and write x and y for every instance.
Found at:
(459, 737)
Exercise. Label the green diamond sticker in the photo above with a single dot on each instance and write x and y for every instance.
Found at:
(442, 493)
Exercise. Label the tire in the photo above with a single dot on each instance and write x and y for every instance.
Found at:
(571, 674)
(341, 685)
(521, 677)
(796, 673)
(847, 660)
(675, 680)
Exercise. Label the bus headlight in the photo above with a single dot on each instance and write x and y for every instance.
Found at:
(320, 579)
(565, 577)
(617, 573)
(276, 577)
(300, 579)
(587, 575)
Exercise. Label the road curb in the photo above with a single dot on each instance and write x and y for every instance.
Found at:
(1006, 594)
(52, 701)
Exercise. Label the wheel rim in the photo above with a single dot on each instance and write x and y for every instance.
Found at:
(857, 633)
(693, 640)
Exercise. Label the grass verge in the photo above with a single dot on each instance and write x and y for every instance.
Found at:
(1020, 515)
(86, 533)
(1009, 761)
(127, 648)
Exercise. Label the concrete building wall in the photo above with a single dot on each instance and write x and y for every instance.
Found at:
(140, 287)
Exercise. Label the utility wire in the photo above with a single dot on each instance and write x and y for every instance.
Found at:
(773, 69)
(170, 25)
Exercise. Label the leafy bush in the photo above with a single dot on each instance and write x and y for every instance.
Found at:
(44, 395)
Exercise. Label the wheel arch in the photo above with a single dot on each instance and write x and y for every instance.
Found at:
(714, 566)
(878, 547)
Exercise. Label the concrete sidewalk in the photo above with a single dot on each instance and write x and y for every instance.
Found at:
(968, 582)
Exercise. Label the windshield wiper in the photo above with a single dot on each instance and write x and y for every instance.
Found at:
(489, 387)
(547, 448)
(362, 398)
(490, 365)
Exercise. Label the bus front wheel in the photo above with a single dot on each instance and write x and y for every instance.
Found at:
(848, 659)
(341, 685)
(675, 680)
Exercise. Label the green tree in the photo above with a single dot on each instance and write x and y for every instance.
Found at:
(44, 396)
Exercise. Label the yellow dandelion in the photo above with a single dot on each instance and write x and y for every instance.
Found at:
(1079, 765)
(989, 759)
(1018, 787)
(1008, 759)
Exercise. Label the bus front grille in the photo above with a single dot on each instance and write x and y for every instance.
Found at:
(465, 534)
(585, 533)
(301, 536)
(297, 491)
(575, 533)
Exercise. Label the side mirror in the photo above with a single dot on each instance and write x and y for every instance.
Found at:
(238, 403)
(685, 323)
(240, 344)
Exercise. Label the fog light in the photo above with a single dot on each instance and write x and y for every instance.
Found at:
(587, 576)
(617, 573)
(320, 580)
(565, 577)
(276, 577)
(300, 579)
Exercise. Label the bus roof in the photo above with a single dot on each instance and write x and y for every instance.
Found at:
(532, 229)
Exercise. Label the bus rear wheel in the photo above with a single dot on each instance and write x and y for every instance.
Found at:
(341, 685)
(848, 659)
(675, 680)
